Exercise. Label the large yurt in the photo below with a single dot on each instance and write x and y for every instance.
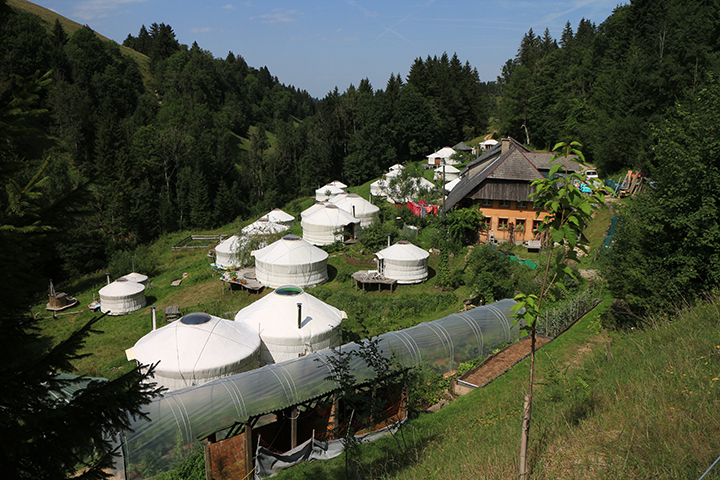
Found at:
(196, 349)
(291, 261)
(312, 209)
(292, 323)
(325, 193)
(122, 296)
(329, 225)
(226, 253)
(353, 203)
(280, 217)
(403, 262)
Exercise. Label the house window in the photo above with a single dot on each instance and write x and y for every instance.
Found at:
(522, 204)
(502, 223)
(487, 221)
(519, 224)
(504, 203)
(486, 202)
(536, 225)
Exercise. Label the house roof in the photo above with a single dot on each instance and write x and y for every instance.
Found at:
(513, 165)
(463, 147)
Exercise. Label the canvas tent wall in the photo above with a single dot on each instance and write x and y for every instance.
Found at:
(280, 217)
(403, 262)
(196, 349)
(292, 323)
(291, 260)
(226, 253)
(357, 206)
(329, 225)
(122, 296)
(183, 416)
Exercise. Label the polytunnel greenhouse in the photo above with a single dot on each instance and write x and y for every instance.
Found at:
(185, 416)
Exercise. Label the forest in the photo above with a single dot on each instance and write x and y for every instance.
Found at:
(184, 140)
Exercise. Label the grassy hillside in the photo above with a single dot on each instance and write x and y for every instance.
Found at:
(650, 411)
(49, 17)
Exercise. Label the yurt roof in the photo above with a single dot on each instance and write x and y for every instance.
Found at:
(329, 188)
(424, 183)
(263, 226)
(279, 216)
(312, 209)
(362, 206)
(403, 250)
(122, 288)
(337, 198)
(135, 277)
(330, 216)
(197, 342)
(338, 184)
(379, 183)
(451, 184)
(448, 169)
(290, 250)
(230, 245)
(277, 314)
(489, 142)
(397, 166)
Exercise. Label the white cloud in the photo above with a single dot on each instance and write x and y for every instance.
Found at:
(86, 10)
(201, 30)
(278, 16)
(229, 6)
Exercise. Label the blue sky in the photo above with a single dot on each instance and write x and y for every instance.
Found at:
(321, 44)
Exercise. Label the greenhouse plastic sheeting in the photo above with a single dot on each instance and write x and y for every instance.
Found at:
(182, 417)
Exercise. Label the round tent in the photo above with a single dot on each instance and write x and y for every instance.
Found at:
(263, 226)
(136, 277)
(226, 253)
(451, 173)
(122, 296)
(281, 218)
(196, 349)
(358, 207)
(450, 185)
(292, 323)
(378, 188)
(312, 209)
(325, 193)
(338, 184)
(403, 262)
(328, 225)
(291, 260)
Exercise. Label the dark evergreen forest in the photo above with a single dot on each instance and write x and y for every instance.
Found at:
(190, 141)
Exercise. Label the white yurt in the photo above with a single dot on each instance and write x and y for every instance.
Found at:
(358, 207)
(338, 184)
(326, 192)
(442, 156)
(329, 225)
(292, 324)
(397, 166)
(196, 349)
(122, 296)
(312, 209)
(451, 173)
(263, 226)
(450, 185)
(378, 188)
(413, 192)
(136, 277)
(280, 217)
(403, 262)
(226, 253)
(392, 174)
(291, 261)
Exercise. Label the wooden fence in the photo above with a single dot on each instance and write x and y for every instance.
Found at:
(210, 239)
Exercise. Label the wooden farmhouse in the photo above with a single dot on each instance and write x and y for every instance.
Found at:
(498, 183)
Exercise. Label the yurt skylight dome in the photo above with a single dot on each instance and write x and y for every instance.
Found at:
(196, 349)
(291, 260)
(292, 323)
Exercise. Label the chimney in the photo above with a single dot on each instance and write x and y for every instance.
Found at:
(108, 278)
(154, 318)
(299, 315)
(505, 145)
(354, 211)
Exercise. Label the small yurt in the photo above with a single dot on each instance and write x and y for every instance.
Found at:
(378, 188)
(451, 173)
(325, 193)
(196, 349)
(403, 262)
(136, 277)
(281, 218)
(292, 324)
(122, 296)
(338, 184)
(353, 203)
(291, 261)
(263, 226)
(329, 225)
(397, 166)
(226, 253)
(312, 209)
